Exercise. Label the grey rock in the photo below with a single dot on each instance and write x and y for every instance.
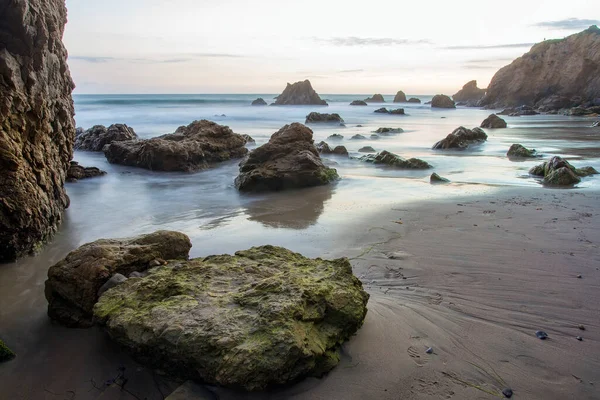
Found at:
(114, 280)
(461, 138)
(300, 93)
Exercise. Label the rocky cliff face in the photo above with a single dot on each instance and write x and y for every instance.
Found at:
(36, 123)
(554, 74)
(300, 93)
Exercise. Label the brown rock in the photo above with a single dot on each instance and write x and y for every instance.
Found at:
(442, 101)
(77, 172)
(298, 94)
(461, 138)
(400, 97)
(493, 122)
(98, 136)
(377, 98)
(469, 94)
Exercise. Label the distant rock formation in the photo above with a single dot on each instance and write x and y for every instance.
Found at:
(393, 160)
(366, 149)
(470, 94)
(37, 128)
(382, 110)
(77, 172)
(289, 160)
(377, 98)
(190, 148)
(358, 137)
(340, 151)
(98, 136)
(559, 172)
(389, 131)
(493, 122)
(300, 93)
(259, 102)
(554, 73)
(435, 179)
(442, 101)
(461, 138)
(358, 103)
(517, 151)
(400, 97)
(414, 100)
(315, 117)
(336, 136)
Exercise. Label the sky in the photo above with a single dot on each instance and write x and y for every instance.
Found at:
(241, 46)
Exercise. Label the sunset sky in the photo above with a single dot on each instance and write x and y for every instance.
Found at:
(237, 46)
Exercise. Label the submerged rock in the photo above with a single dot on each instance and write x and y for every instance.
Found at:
(493, 122)
(389, 131)
(520, 151)
(37, 128)
(400, 97)
(377, 98)
(259, 102)
(393, 160)
(73, 283)
(397, 111)
(358, 137)
(470, 94)
(77, 172)
(335, 136)
(559, 172)
(435, 178)
(382, 110)
(264, 316)
(315, 117)
(358, 103)
(6, 354)
(366, 149)
(98, 136)
(461, 138)
(442, 101)
(414, 100)
(340, 151)
(324, 148)
(190, 148)
(300, 93)
(288, 160)
(561, 177)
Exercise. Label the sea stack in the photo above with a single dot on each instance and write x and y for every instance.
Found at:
(300, 93)
(400, 97)
(442, 101)
(37, 129)
(470, 94)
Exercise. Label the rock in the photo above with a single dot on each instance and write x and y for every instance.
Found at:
(561, 177)
(398, 111)
(359, 126)
(259, 102)
(366, 149)
(114, 280)
(562, 68)
(400, 97)
(391, 159)
(442, 101)
(382, 110)
(358, 103)
(470, 94)
(541, 335)
(493, 122)
(335, 136)
(73, 283)
(461, 138)
(435, 178)
(579, 338)
(37, 129)
(136, 274)
(324, 148)
(340, 151)
(581, 327)
(377, 98)
(315, 117)
(77, 172)
(248, 139)
(414, 100)
(191, 391)
(358, 137)
(596, 124)
(263, 317)
(6, 354)
(79, 131)
(288, 160)
(508, 393)
(375, 137)
(585, 171)
(98, 136)
(553, 177)
(429, 350)
(191, 148)
(389, 131)
(520, 151)
(300, 93)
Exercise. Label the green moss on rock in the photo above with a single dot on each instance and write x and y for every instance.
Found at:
(393, 160)
(6, 354)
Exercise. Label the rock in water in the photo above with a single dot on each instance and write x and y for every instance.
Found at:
(37, 129)
(190, 148)
(561, 177)
(358, 103)
(442, 101)
(389, 131)
(358, 137)
(461, 138)
(377, 98)
(299, 93)
(366, 149)
(493, 122)
(382, 110)
(315, 117)
(397, 111)
(340, 151)
(335, 136)
(265, 316)
(435, 178)
(554, 69)
(248, 139)
(259, 102)
(324, 148)
(400, 97)
(393, 160)
(559, 172)
(6, 354)
(288, 160)
(73, 283)
(519, 151)
(98, 136)
(469, 94)
(414, 100)
(77, 172)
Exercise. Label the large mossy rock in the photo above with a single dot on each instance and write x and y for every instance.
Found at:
(6, 354)
(559, 172)
(461, 138)
(393, 160)
(315, 117)
(561, 177)
(442, 101)
(98, 136)
(517, 151)
(493, 122)
(196, 146)
(289, 160)
(299, 93)
(37, 129)
(264, 316)
(73, 283)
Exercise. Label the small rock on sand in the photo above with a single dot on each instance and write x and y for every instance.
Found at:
(429, 350)
(507, 393)
(541, 335)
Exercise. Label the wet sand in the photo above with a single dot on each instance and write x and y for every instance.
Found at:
(471, 277)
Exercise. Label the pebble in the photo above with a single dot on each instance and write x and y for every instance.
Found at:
(429, 350)
(581, 327)
(579, 276)
(507, 393)
(541, 335)
(579, 338)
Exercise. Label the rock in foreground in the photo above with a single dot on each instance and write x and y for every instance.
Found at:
(461, 138)
(559, 172)
(77, 172)
(265, 316)
(442, 101)
(190, 148)
(300, 93)
(393, 160)
(73, 283)
(470, 94)
(289, 160)
(520, 151)
(493, 122)
(98, 136)
(315, 117)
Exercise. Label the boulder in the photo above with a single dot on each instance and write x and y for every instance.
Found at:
(262, 317)
(358, 103)
(114, 280)
(553, 70)
(288, 160)
(37, 129)
(73, 283)
(520, 151)
(493, 122)
(366, 149)
(248, 139)
(315, 117)
(414, 100)
(559, 172)
(77, 172)
(392, 160)
(324, 148)
(6, 354)
(442, 101)
(400, 97)
(358, 137)
(98, 136)
(382, 110)
(79, 131)
(461, 138)
(340, 151)
(397, 111)
(335, 136)
(377, 98)
(389, 131)
(300, 93)
(561, 177)
(191, 148)
(435, 178)
(259, 102)
(375, 136)
(470, 94)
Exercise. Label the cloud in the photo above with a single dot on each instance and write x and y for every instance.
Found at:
(493, 46)
(92, 59)
(155, 60)
(359, 41)
(568, 24)
(350, 71)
